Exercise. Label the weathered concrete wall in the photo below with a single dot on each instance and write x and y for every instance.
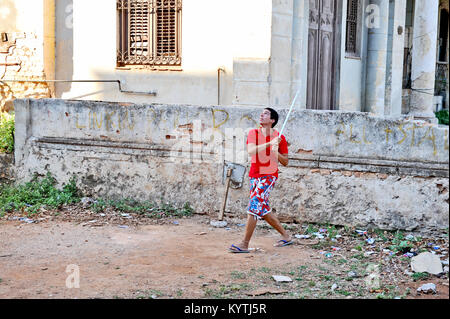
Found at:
(6, 166)
(345, 168)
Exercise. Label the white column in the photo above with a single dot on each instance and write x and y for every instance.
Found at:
(377, 55)
(424, 58)
(397, 56)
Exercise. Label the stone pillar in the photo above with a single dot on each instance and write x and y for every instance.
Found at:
(424, 59)
(396, 56)
(281, 53)
(378, 25)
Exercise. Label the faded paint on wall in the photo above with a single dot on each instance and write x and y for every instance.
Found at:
(345, 168)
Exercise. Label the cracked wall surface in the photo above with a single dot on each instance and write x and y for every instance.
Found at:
(345, 168)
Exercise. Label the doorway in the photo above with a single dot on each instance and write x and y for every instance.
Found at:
(323, 54)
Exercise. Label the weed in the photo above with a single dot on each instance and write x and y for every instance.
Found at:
(332, 232)
(311, 229)
(342, 261)
(417, 276)
(6, 132)
(264, 269)
(238, 275)
(31, 196)
(343, 292)
(399, 244)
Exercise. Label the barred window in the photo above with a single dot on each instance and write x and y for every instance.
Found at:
(353, 26)
(149, 32)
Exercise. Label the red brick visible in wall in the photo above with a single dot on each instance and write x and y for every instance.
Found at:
(22, 59)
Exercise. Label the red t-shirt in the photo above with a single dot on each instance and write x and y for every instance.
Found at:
(265, 162)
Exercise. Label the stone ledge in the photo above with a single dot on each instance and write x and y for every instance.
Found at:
(296, 160)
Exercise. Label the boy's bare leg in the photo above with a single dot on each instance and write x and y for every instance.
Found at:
(275, 223)
(249, 228)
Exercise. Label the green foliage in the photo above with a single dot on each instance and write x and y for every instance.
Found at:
(311, 229)
(30, 196)
(399, 244)
(6, 133)
(442, 116)
(417, 276)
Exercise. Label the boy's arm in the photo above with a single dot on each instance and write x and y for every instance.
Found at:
(283, 158)
(253, 149)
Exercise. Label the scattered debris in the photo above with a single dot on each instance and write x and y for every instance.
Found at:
(279, 278)
(426, 262)
(23, 219)
(264, 291)
(87, 201)
(427, 288)
(218, 224)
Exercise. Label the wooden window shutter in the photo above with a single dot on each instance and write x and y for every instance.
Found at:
(149, 32)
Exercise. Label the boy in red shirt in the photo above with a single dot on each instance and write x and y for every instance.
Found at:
(266, 148)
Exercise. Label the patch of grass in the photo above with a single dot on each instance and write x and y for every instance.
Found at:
(332, 231)
(358, 256)
(311, 229)
(342, 261)
(399, 244)
(380, 235)
(264, 269)
(343, 292)
(238, 275)
(417, 276)
(7, 124)
(326, 277)
(31, 196)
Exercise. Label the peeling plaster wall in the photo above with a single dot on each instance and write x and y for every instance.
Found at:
(6, 166)
(29, 53)
(345, 168)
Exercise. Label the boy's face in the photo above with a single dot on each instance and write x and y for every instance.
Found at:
(264, 118)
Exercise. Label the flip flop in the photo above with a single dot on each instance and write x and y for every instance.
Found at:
(282, 243)
(236, 250)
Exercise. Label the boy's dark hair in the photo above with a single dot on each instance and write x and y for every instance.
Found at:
(273, 115)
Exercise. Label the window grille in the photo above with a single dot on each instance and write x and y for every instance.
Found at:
(352, 37)
(149, 32)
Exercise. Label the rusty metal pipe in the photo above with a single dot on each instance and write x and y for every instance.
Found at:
(85, 81)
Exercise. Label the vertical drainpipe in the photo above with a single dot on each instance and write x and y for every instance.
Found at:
(218, 83)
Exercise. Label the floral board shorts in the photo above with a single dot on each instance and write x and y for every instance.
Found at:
(259, 195)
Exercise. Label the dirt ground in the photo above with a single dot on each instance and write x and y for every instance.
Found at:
(182, 258)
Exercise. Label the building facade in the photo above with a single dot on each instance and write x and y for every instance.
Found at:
(151, 98)
(380, 56)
